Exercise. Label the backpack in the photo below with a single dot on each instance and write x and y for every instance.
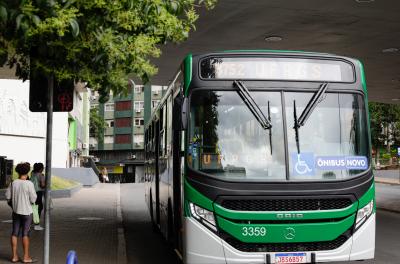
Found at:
(35, 180)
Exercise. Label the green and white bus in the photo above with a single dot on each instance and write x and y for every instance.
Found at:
(263, 157)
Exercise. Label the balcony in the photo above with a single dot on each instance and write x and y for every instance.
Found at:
(109, 131)
(121, 114)
(123, 130)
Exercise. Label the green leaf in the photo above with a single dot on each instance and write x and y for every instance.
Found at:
(68, 3)
(75, 27)
(3, 14)
(18, 21)
(36, 20)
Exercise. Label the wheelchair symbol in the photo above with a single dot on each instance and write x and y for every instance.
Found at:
(301, 166)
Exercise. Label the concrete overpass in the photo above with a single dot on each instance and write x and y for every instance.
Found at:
(365, 29)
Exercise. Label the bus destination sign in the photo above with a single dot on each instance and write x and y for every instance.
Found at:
(277, 69)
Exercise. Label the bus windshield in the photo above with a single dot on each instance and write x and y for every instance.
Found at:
(226, 141)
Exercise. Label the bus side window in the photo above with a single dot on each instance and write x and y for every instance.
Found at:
(162, 131)
(168, 138)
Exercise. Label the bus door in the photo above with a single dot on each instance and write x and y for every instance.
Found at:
(157, 171)
(177, 179)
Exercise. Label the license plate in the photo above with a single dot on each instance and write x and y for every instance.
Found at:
(288, 258)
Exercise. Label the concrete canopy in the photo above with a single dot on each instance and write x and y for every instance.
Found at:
(365, 29)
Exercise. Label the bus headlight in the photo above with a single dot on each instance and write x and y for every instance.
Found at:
(364, 213)
(203, 216)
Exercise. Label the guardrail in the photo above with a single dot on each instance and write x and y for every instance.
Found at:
(72, 258)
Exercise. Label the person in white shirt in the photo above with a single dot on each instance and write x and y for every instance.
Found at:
(22, 194)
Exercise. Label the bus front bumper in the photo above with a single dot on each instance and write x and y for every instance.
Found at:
(204, 247)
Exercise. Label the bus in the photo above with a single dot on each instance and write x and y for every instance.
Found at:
(263, 157)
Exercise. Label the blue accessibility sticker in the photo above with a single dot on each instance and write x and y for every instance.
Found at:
(356, 163)
(303, 164)
(341, 163)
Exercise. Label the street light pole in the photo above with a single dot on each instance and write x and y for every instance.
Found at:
(49, 137)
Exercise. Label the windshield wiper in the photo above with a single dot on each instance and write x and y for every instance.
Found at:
(255, 109)
(252, 105)
(315, 99)
(270, 133)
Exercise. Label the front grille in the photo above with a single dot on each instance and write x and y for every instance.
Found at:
(287, 247)
(299, 204)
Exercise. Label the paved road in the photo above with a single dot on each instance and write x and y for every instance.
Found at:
(143, 246)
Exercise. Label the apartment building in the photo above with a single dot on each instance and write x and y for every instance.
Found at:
(121, 149)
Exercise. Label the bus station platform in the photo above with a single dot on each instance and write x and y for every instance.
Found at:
(88, 222)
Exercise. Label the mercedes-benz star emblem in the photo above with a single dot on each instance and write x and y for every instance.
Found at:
(289, 233)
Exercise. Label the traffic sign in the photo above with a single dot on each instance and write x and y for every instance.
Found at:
(63, 94)
(398, 151)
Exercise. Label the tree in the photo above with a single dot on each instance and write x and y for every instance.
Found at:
(98, 42)
(97, 124)
(385, 126)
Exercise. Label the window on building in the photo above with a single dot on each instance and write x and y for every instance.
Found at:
(110, 123)
(123, 105)
(139, 122)
(156, 89)
(123, 122)
(139, 88)
(108, 140)
(139, 105)
(109, 107)
(138, 139)
(93, 141)
(154, 103)
(123, 139)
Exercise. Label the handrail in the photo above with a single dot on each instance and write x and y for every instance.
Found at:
(72, 258)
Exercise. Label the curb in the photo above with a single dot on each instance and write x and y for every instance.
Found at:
(65, 193)
(387, 181)
(388, 210)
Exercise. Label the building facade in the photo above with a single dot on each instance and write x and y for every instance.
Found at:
(23, 133)
(121, 148)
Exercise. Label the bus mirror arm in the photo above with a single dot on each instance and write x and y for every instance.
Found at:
(184, 115)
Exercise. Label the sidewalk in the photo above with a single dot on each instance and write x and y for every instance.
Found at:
(387, 176)
(88, 223)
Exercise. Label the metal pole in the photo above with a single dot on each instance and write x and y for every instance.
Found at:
(49, 137)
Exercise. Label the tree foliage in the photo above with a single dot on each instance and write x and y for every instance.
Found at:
(385, 125)
(98, 42)
(97, 124)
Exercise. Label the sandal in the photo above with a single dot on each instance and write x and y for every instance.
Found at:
(14, 260)
(30, 261)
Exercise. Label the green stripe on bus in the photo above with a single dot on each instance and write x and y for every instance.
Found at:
(295, 215)
(289, 233)
(188, 72)
(367, 197)
(192, 195)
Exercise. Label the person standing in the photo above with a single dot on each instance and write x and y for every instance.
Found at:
(22, 194)
(39, 182)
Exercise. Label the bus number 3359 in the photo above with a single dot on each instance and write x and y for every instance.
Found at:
(254, 231)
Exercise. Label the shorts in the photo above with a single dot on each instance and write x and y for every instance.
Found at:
(21, 225)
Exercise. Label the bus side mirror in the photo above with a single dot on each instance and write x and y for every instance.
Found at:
(184, 114)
